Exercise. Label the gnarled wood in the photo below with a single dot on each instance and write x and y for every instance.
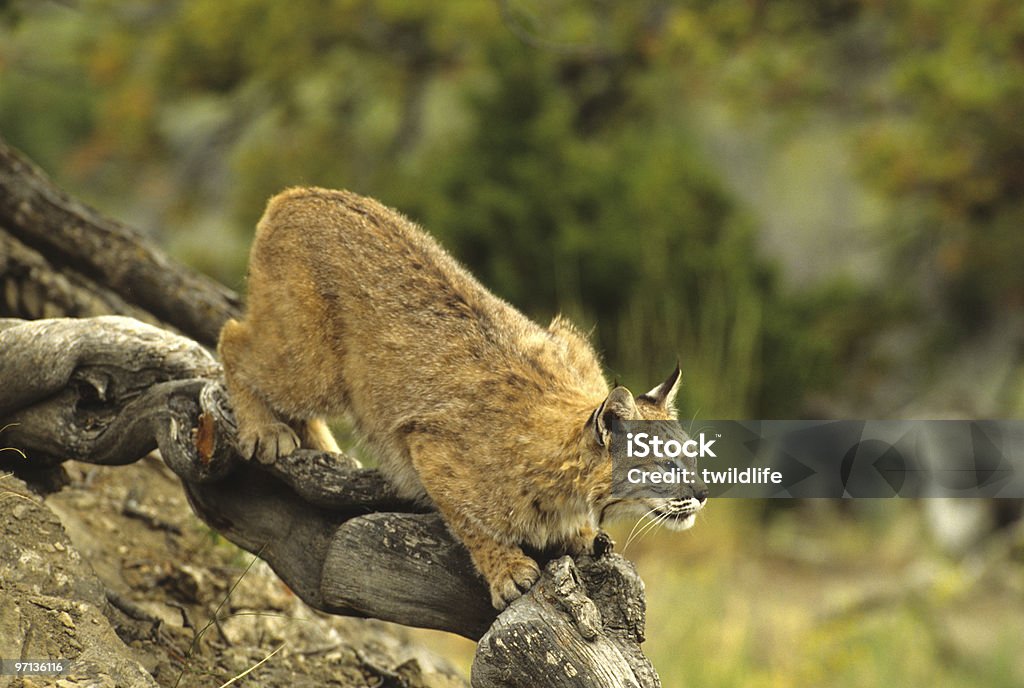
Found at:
(531, 644)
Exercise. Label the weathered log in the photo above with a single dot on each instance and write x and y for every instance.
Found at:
(107, 390)
(32, 288)
(101, 390)
(532, 645)
(74, 237)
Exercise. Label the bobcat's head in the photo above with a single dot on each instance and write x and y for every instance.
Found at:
(678, 508)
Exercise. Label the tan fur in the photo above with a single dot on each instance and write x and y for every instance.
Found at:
(468, 404)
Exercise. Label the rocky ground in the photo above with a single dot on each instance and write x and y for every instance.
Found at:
(114, 573)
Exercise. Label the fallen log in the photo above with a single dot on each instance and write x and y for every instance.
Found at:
(108, 390)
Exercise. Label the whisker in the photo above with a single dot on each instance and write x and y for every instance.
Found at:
(633, 534)
(651, 525)
(638, 522)
(660, 522)
(625, 547)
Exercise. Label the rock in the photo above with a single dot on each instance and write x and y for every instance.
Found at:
(53, 602)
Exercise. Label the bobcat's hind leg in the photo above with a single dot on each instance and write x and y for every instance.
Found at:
(316, 435)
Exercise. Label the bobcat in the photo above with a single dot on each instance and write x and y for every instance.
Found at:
(501, 424)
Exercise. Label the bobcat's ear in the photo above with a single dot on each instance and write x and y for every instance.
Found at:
(664, 395)
(617, 406)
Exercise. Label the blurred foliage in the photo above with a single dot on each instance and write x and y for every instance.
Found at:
(954, 151)
(936, 91)
(791, 603)
(563, 177)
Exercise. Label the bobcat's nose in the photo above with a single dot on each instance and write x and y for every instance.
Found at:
(701, 495)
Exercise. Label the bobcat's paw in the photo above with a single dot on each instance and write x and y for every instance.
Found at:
(268, 442)
(516, 577)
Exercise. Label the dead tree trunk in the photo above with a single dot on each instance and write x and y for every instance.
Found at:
(108, 390)
(58, 257)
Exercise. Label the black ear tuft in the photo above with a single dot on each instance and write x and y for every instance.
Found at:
(664, 395)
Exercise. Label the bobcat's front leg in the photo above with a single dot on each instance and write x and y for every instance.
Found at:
(262, 432)
(508, 571)
(492, 543)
